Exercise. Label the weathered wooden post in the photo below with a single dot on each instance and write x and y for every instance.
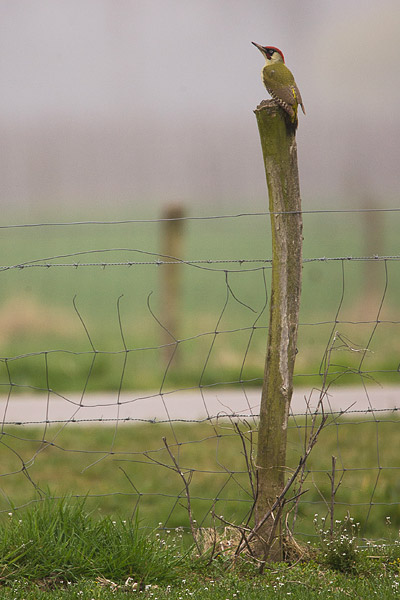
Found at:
(171, 288)
(279, 149)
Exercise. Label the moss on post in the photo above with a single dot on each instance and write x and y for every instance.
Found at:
(280, 159)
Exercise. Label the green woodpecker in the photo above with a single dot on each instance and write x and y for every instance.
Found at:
(280, 82)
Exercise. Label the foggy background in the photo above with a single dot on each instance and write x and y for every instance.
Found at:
(111, 106)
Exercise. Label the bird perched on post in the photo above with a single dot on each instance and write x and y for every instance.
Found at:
(280, 82)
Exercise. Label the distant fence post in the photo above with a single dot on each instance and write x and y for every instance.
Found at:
(373, 238)
(171, 284)
(280, 160)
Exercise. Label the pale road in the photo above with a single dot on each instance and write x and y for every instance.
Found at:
(184, 404)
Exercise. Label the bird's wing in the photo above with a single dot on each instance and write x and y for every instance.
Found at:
(288, 92)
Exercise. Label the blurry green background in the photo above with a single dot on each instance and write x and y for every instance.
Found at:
(37, 311)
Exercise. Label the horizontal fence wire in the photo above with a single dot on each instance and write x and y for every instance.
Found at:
(71, 364)
(241, 261)
(227, 415)
(202, 217)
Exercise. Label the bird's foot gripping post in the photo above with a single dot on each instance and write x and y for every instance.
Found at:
(280, 160)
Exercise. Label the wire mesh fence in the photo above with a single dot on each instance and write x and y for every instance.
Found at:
(100, 398)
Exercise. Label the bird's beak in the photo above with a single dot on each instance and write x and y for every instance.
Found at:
(261, 48)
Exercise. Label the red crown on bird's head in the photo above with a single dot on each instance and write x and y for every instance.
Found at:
(271, 49)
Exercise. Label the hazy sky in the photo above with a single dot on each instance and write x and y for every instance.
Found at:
(123, 102)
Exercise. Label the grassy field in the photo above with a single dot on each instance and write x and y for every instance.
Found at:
(302, 582)
(38, 314)
(127, 469)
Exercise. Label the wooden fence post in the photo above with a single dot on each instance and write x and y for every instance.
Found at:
(373, 238)
(171, 284)
(280, 159)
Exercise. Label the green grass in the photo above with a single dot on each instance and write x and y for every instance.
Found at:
(298, 583)
(57, 541)
(56, 550)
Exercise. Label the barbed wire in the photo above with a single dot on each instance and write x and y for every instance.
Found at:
(209, 419)
(173, 261)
